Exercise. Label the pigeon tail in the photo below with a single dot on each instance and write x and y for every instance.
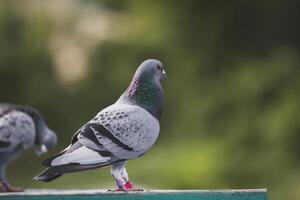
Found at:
(47, 176)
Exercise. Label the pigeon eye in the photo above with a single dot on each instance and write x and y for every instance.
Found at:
(158, 67)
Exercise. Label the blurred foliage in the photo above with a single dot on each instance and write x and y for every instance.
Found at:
(231, 117)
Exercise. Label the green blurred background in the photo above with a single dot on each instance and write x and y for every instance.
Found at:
(231, 112)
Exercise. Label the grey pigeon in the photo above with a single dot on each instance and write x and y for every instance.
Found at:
(122, 131)
(21, 128)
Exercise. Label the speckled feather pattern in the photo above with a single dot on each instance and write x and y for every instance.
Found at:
(117, 133)
(131, 125)
(16, 128)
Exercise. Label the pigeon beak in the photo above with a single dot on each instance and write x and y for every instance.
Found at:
(163, 75)
(41, 150)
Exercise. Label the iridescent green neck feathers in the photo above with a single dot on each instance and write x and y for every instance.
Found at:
(146, 92)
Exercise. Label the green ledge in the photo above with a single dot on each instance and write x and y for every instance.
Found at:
(248, 194)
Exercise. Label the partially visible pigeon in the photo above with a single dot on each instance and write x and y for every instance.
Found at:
(21, 128)
(123, 131)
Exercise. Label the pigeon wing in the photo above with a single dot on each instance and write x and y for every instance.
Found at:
(16, 128)
(125, 131)
(116, 134)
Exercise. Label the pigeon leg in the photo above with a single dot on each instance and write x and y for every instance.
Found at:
(120, 175)
(4, 185)
(2, 178)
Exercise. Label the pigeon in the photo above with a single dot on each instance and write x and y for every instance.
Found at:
(21, 128)
(120, 132)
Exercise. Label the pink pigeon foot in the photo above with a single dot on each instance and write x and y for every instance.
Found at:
(5, 187)
(128, 186)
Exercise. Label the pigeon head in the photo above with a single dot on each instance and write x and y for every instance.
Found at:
(145, 89)
(45, 138)
(48, 139)
(151, 69)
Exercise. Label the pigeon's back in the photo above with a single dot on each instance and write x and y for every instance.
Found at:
(16, 128)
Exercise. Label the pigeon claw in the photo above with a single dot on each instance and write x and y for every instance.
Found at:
(5, 187)
(127, 187)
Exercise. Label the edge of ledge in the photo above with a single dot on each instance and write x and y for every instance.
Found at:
(45, 192)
